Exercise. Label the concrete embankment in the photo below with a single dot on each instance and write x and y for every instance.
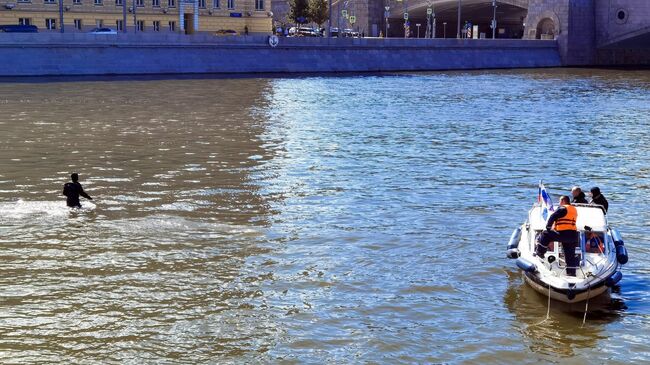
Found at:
(50, 54)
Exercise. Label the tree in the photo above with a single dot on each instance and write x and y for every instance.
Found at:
(318, 11)
(299, 11)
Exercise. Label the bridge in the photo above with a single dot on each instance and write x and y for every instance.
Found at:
(588, 32)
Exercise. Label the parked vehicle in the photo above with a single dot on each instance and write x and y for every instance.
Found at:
(345, 33)
(18, 28)
(226, 32)
(103, 31)
(350, 33)
(305, 32)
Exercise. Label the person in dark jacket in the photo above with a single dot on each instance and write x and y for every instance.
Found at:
(578, 196)
(597, 198)
(73, 190)
(561, 227)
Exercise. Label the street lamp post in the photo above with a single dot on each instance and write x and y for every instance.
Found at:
(494, 18)
(458, 30)
(124, 20)
(386, 15)
(444, 29)
(61, 15)
(406, 20)
(329, 20)
(418, 25)
(433, 15)
(338, 19)
(427, 32)
(135, 16)
(345, 14)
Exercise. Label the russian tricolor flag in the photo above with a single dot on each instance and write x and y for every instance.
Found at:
(545, 201)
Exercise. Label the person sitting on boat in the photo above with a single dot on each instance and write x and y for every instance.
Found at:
(598, 199)
(72, 190)
(578, 196)
(561, 227)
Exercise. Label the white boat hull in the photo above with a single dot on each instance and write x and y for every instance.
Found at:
(599, 262)
(562, 297)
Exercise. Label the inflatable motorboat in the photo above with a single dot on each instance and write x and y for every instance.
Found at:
(601, 252)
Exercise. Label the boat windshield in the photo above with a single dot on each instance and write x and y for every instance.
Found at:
(588, 216)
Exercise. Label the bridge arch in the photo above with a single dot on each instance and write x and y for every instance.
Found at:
(547, 21)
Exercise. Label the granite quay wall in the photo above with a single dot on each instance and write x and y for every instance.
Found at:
(55, 54)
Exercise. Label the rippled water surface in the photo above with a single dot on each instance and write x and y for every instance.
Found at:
(312, 220)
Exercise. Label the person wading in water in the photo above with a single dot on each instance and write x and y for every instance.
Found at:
(72, 190)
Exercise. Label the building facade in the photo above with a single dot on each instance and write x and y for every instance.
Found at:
(141, 15)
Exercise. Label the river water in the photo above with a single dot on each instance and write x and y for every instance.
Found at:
(355, 219)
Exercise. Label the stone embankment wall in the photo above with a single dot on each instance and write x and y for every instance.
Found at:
(86, 54)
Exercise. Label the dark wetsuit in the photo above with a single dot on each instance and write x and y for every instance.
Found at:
(570, 240)
(600, 200)
(72, 190)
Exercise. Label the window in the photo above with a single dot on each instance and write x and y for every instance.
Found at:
(202, 4)
(140, 25)
(99, 2)
(99, 23)
(172, 26)
(216, 4)
(171, 3)
(50, 23)
(76, 2)
(139, 3)
(231, 4)
(156, 25)
(119, 3)
(24, 1)
(119, 26)
(24, 21)
(77, 24)
(48, 1)
(155, 3)
(259, 4)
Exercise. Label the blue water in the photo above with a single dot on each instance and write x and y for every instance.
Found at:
(356, 219)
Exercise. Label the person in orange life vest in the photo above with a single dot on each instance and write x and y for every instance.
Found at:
(561, 227)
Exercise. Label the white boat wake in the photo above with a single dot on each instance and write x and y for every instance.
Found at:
(24, 208)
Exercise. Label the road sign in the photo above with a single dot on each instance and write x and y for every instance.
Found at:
(274, 41)
(429, 11)
(406, 16)
(344, 13)
(387, 8)
(353, 19)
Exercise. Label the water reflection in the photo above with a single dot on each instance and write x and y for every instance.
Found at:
(562, 334)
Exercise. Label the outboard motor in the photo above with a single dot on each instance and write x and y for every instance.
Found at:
(621, 251)
(526, 265)
(513, 244)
